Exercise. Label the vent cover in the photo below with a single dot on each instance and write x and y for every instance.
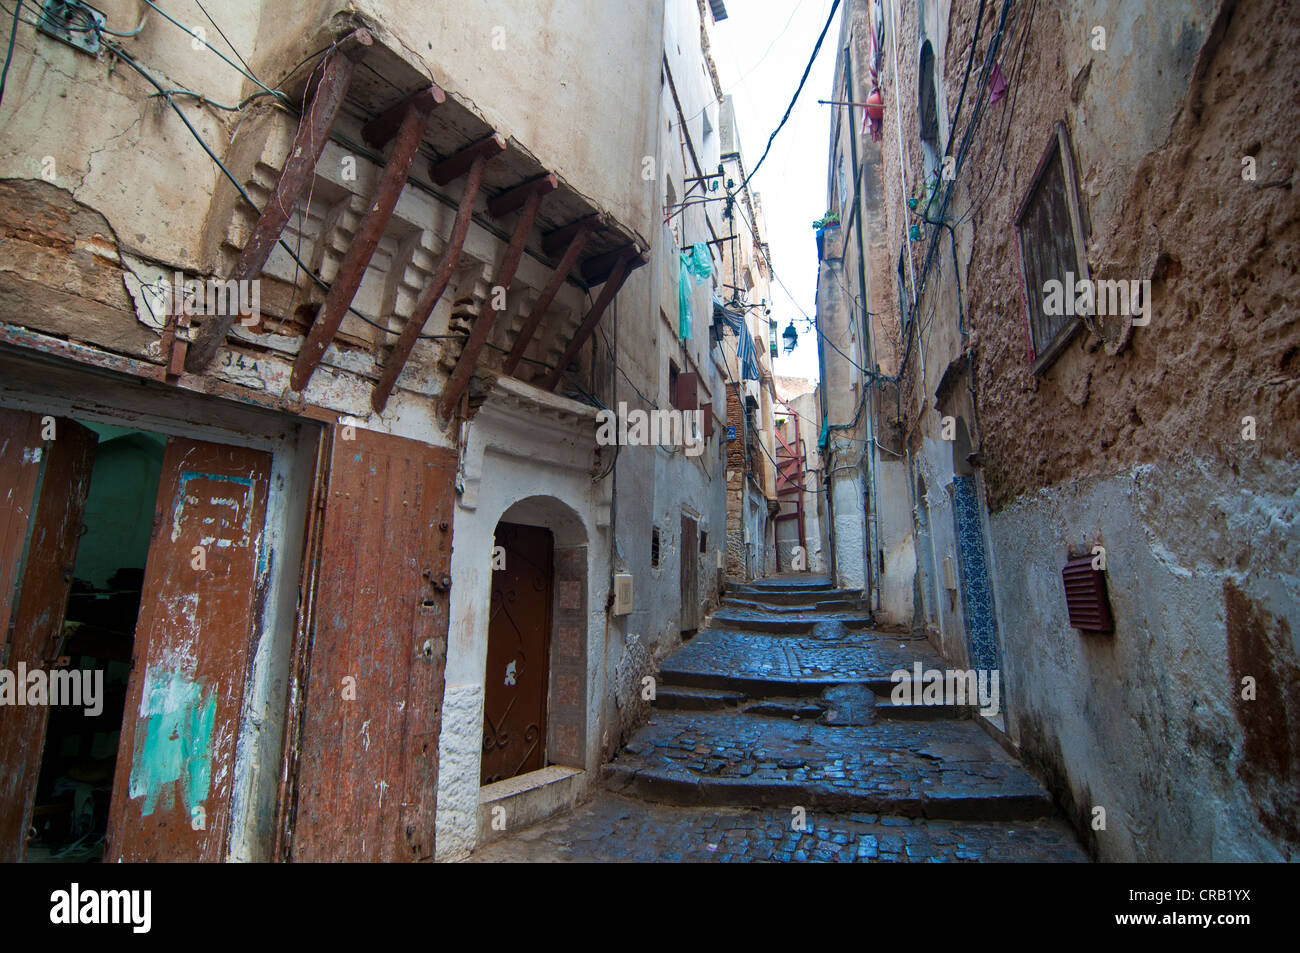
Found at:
(622, 593)
(1085, 595)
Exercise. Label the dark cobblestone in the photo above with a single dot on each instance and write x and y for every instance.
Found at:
(888, 761)
(854, 656)
(616, 829)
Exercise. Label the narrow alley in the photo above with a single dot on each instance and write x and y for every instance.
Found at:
(774, 738)
(440, 432)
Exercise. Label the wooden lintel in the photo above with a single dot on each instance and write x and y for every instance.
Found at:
(598, 268)
(553, 242)
(378, 132)
(581, 234)
(457, 164)
(478, 335)
(364, 241)
(308, 144)
(431, 293)
(508, 201)
(622, 268)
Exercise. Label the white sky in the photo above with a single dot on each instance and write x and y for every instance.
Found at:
(761, 50)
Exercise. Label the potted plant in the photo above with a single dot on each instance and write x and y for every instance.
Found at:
(828, 221)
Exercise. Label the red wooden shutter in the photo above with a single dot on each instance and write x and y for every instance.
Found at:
(46, 483)
(198, 613)
(368, 768)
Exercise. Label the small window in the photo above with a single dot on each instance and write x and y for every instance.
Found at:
(1050, 233)
(904, 315)
(928, 111)
(704, 542)
(654, 548)
(673, 374)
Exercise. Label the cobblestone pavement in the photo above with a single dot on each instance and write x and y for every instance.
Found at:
(774, 739)
(830, 655)
(611, 829)
(895, 766)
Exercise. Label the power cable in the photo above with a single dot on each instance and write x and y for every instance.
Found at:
(794, 99)
(13, 35)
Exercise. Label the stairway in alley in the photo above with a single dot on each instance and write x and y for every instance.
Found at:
(774, 738)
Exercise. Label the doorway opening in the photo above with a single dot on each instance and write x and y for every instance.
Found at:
(518, 653)
(74, 788)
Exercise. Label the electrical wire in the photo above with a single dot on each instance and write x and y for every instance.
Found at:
(13, 35)
(794, 99)
(206, 45)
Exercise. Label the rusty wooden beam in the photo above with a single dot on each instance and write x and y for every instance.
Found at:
(597, 269)
(554, 242)
(478, 335)
(457, 164)
(364, 242)
(629, 259)
(313, 132)
(432, 292)
(578, 240)
(508, 201)
(379, 131)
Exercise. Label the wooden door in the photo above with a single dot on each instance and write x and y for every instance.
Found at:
(44, 485)
(204, 586)
(690, 574)
(367, 778)
(519, 645)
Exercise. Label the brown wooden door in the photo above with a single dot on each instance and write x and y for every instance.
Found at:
(368, 766)
(43, 488)
(690, 574)
(519, 637)
(204, 586)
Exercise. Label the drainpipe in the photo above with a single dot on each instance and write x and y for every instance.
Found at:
(826, 454)
(864, 338)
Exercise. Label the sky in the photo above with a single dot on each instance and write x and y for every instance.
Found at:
(760, 51)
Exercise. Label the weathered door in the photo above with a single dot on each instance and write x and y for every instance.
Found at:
(519, 637)
(368, 766)
(690, 574)
(44, 485)
(204, 586)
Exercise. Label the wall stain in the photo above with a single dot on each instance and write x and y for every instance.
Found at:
(1260, 647)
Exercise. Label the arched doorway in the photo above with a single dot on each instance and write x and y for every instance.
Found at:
(535, 670)
(519, 636)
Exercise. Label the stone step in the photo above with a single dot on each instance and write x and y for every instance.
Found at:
(768, 588)
(950, 770)
(684, 697)
(763, 620)
(847, 603)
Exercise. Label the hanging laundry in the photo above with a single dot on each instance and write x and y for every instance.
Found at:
(695, 262)
(997, 85)
(746, 357)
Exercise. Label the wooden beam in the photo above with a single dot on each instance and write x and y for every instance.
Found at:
(577, 242)
(379, 132)
(445, 171)
(313, 132)
(431, 293)
(553, 242)
(478, 335)
(364, 242)
(622, 268)
(508, 201)
(597, 269)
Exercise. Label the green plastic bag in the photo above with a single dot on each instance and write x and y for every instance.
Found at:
(695, 262)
